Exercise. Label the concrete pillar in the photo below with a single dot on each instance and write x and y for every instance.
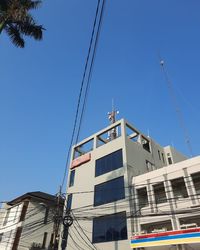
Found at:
(171, 200)
(151, 197)
(190, 187)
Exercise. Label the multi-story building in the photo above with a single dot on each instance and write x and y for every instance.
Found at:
(27, 222)
(166, 203)
(100, 188)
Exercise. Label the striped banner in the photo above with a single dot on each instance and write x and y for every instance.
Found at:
(184, 236)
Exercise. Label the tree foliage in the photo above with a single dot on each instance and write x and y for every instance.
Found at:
(17, 21)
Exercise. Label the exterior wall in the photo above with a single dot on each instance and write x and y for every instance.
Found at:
(9, 224)
(85, 180)
(174, 154)
(134, 164)
(177, 209)
(35, 226)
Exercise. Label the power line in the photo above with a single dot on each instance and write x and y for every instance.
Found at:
(81, 90)
(84, 232)
(91, 67)
(86, 245)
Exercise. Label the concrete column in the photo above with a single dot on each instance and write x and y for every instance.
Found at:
(190, 187)
(172, 203)
(151, 197)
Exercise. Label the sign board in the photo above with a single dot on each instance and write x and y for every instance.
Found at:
(81, 160)
(185, 236)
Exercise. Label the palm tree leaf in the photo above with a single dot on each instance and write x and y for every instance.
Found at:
(31, 29)
(29, 4)
(15, 35)
(16, 19)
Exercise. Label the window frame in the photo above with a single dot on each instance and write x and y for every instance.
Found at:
(72, 178)
(107, 224)
(103, 191)
(69, 201)
(109, 162)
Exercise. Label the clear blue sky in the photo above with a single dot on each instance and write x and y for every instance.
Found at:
(39, 84)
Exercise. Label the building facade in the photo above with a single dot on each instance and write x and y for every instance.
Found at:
(100, 188)
(167, 200)
(27, 222)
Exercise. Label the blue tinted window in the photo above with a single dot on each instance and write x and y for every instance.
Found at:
(110, 228)
(69, 201)
(71, 179)
(108, 163)
(109, 191)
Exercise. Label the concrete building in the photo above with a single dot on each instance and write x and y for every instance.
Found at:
(100, 187)
(27, 222)
(167, 200)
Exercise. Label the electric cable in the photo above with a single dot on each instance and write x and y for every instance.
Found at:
(80, 93)
(84, 232)
(91, 67)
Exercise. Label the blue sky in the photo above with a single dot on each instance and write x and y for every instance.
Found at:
(39, 85)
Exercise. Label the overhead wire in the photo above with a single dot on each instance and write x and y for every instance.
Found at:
(81, 91)
(79, 226)
(91, 66)
(81, 239)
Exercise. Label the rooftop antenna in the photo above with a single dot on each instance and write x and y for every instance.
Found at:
(175, 102)
(112, 118)
(113, 113)
(148, 133)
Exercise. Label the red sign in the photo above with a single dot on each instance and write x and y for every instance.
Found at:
(81, 160)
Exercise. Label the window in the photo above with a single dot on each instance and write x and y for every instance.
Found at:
(163, 158)
(189, 222)
(7, 216)
(46, 215)
(8, 239)
(71, 179)
(69, 201)
(179, 188)
(169, 160)
(159, 155)
(146, 144)
(109, 191)
(110, 228)
(44, 240)
(51, 241)
(157, 227)
(108, 163)
(16, 209)
(1, 237)
(196, 181)
(150, 166)
(142, 197)
(159, 192)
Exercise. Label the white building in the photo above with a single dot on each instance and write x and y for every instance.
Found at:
(27, 222)
(167, 199)
(100, 187)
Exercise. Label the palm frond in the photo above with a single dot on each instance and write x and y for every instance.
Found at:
(15, 36)
(31, 29)
(16, 19)
(30, 4)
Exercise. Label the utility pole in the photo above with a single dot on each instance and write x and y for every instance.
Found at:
(67, 222)
(57, 219)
